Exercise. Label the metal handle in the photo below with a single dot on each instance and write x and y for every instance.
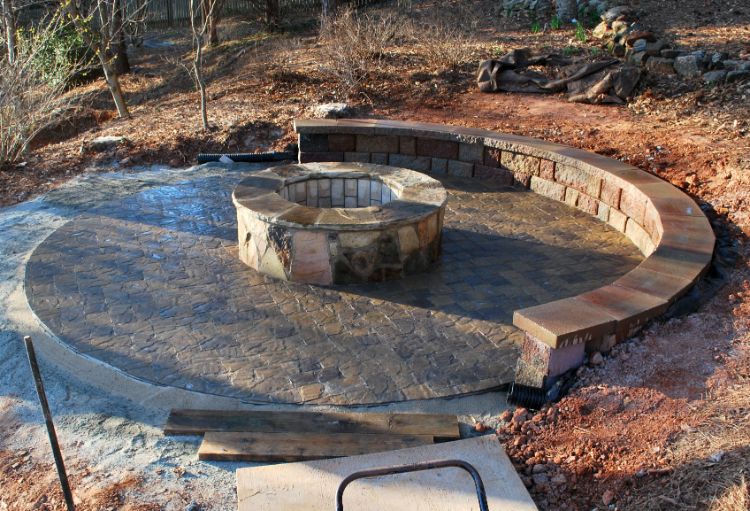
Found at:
(416, 467)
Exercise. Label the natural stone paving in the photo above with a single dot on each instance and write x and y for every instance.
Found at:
(151, 284)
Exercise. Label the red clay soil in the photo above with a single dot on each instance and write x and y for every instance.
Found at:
(618, 440)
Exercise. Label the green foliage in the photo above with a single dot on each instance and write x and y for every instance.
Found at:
(57, 55)
(555, 23)
(569, 51)
(581, 33)
(536, 27)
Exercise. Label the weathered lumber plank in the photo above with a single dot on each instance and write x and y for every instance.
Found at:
(295, 446)
(196, 422)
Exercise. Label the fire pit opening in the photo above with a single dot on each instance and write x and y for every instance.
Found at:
(325, 192)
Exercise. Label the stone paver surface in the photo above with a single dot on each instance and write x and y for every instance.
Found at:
(151, 283)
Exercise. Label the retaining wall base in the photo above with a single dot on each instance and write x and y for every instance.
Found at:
(541, 365)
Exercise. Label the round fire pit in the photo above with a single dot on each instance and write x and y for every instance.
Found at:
(334, 223)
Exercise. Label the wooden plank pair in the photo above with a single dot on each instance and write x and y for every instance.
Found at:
(274, 436)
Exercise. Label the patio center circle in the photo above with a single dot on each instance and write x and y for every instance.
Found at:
(335, 223)
(152, 286)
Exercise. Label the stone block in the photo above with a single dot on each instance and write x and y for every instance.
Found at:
(385, 195)
(571, 197)
(472, 153)
(407, 239)
(523, 180)
(610, 193)
(602, 212)
(300, 192)
(379, 158)
(587, 204)
(492, 156)
(350, 202)
(660, 65)
(350, 187)
(439, 166)
(313, 143)
(342, 142)
(311, 261)
(564, 322)
(652, 223)
(460, 168)
(540, 365)
(520, 163)
(633, 204)
(363, 193)
(547, 188)
(582, 180)
(360, 239)
(632, 309)
(309, 157)
(312, 193)
(497, 175)
(407, 145)
(617, 219)
(661, 285)
(357, 157)
(437, 148)
(418, 163)
(547, 170)
(324, 187)
(376, 191)
(377, 144)
(337, 193)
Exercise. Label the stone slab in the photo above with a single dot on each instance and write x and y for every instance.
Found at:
(311, 486)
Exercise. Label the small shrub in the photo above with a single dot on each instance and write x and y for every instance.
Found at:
(55, 52)
(353, 45)
(555, 23)
(581, 33)
(536, 27)
(32, 89)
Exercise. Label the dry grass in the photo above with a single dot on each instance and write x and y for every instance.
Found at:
(710, 463)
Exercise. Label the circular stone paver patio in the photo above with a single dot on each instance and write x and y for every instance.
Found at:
(151, 284)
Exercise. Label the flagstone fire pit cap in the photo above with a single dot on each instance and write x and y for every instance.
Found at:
(339, 196)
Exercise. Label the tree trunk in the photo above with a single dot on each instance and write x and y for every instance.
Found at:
(9, 22)
(210, 11)
(567, 10)
(199, 80)
(329, 8)
(113, 83)
(120, 62)
(272, 14)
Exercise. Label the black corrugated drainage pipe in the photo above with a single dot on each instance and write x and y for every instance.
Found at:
(249, 157)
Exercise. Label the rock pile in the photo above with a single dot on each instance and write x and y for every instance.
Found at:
(599, 82)
(626, 38)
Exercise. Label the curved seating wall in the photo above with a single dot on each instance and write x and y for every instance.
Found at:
(664, 223)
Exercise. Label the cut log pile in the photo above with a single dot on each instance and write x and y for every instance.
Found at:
(274, 436)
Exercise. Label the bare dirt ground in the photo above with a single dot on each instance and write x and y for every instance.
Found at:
(664, 421)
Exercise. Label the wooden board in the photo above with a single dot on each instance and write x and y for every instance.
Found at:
(311, 485)
(219, 446)
(197, 422)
